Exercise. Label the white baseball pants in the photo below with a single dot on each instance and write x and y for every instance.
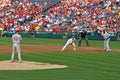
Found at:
(106, 45)
(17, 48)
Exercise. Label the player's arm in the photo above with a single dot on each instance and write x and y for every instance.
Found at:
(20, 38)
(102, 33)
(108, 36)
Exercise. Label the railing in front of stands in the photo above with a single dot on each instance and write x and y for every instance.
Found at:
(91, 36)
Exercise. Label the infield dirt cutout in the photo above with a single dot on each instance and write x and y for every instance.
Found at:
(52, 48)
(27, 65)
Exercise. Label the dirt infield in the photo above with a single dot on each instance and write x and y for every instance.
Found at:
(51, 48)
(7, 65)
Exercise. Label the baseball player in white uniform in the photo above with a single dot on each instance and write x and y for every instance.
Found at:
(70, 41)
(106, 36)
(16, 38)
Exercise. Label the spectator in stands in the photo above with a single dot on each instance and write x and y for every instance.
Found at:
(95, 13)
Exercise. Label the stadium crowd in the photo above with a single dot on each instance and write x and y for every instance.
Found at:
(66, 16)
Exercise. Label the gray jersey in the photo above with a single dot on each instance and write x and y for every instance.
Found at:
(106, 35)
(71, 40)
(16, 38)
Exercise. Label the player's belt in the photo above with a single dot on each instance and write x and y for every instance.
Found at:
(16, 43)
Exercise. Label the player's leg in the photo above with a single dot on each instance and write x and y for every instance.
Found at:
(107, 45)
(65, 46)
(86, 40)
(80, 40)
(13, 53)
(104, 45)
(74, 46)
(19, 53)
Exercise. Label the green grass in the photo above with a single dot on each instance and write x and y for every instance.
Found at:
(44, 41)
(81, 66)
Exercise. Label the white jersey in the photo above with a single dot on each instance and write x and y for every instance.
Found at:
(71, 40)
(106, 35)
(16, 38)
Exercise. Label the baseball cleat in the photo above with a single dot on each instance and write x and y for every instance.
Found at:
(12, 61)
(108, 50)
(20, 61)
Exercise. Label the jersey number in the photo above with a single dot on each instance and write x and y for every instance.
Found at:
(15, 38)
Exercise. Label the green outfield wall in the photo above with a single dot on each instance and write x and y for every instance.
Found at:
(60, 36)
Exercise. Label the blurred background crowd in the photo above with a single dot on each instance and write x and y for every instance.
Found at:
(59, 16)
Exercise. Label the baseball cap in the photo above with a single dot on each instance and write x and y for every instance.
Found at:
(17, 31)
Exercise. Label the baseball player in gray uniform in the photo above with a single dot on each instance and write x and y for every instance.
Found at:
(70, 41)
(16, 38)
(106, 36)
